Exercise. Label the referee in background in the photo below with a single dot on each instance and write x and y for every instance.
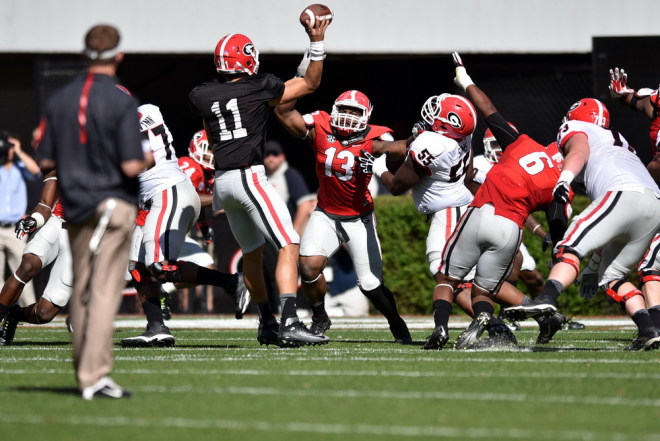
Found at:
(92, 136)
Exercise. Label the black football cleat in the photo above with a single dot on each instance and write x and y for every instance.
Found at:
(646, 340)
(548, 327)
(438, 338)
(295, 333)
(241, 297)
(8, 325)
(268, 333)
(468, 338)
(320, 325)
(573, 325)
(535, 308)
(156, 335)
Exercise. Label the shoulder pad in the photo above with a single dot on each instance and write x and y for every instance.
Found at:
(644, 92)
(320, 118)
(150, 116)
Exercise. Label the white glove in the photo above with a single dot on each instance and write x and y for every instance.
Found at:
(588, 279)
(369, 164)
(462, 79)
(380, 165)
(619, 83)
(304, 64)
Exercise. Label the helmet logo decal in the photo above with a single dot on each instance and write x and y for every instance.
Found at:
(248, 49)
(574, 106)
(454, 120)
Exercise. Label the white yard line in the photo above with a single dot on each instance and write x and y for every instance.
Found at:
(375, 322)
(618, 376)
(325, 428)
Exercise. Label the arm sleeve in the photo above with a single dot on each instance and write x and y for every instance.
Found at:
(502, 131)
(557, 217)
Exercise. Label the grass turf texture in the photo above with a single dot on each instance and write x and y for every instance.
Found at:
(221, 385)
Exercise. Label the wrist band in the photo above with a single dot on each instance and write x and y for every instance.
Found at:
(566, 176)
(536, 228)
(316, 50)
(633, 102)
(44, 205)
(17, 278)
(39, 218)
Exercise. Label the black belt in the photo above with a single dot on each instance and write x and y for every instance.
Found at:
(6, 224)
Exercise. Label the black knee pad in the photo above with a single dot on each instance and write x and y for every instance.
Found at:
(165, 273)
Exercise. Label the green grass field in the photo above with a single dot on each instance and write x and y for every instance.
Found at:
(221, 385)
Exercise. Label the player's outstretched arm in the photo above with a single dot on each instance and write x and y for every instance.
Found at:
(293, 121)
(395, 150)
(298, 87)
(476, 95)
(502, 130)
(639, 101)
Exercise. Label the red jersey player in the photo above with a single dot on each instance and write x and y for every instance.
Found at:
(345, 210)
(490, 232)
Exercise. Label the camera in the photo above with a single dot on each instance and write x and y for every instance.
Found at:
(5, 145)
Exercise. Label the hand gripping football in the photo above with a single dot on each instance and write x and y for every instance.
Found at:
(315, 12)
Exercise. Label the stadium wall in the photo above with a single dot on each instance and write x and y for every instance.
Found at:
(364, 26)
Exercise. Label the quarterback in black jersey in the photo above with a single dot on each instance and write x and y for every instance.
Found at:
(235, 112)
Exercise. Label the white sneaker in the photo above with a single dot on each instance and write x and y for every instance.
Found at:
(105, 387)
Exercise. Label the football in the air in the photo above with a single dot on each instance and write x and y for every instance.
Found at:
(314, 12)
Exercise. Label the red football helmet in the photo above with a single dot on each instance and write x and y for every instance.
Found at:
(451, 115)
(199, 150)
(347, 123)
(590, 110)
(235, 53)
